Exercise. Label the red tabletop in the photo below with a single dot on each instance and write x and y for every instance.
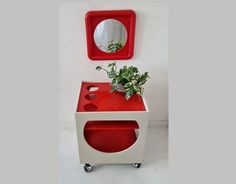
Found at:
(104, 100)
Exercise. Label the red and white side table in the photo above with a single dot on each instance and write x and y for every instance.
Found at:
(110, 129)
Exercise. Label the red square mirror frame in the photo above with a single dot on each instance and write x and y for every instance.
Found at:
(93, 19)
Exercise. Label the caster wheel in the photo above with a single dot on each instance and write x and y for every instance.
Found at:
(88, 168)
(137, 165)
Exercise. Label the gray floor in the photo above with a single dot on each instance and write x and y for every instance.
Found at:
(154, 169)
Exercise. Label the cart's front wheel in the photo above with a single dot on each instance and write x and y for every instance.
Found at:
(88, 168)
(137, 165)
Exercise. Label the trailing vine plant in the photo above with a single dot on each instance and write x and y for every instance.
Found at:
(128, 77)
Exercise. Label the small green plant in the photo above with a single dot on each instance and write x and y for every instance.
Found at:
(113, 46)
(127, 78)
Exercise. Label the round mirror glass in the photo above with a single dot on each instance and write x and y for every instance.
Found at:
(110, 35)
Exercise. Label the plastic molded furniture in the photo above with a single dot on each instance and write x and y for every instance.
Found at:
(110, 129)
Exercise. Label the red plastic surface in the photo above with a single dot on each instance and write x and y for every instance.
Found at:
(110, 141)
(126, 17)
(105, 100)
(111, 125)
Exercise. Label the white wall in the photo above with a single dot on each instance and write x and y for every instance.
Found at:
(150, 54)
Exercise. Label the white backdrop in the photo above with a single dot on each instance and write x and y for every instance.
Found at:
(150, 54)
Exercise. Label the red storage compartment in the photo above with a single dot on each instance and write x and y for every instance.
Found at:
(110, 136)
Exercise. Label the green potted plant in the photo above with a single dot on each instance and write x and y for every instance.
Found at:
(127, 80)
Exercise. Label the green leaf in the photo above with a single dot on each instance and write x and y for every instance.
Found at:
(112, 69)
(128, 94)
(127, 85)
(142, 82)
(98, 68)
(113, 89)
(109, 65)
(111, 75)
(134, 81)
(146, 75)
(135, 70)
(136, 88)
(113, 81)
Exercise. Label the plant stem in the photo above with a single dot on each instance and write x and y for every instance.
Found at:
(105, 70)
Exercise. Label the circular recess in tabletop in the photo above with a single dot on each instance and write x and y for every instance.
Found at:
(92, 88)
(91, 96)
(90, 107)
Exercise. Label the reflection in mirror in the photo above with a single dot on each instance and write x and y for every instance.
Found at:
(110, 35)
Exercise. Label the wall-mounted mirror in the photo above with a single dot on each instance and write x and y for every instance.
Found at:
(110, 34)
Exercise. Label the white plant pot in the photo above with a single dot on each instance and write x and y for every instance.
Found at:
(119, 87)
